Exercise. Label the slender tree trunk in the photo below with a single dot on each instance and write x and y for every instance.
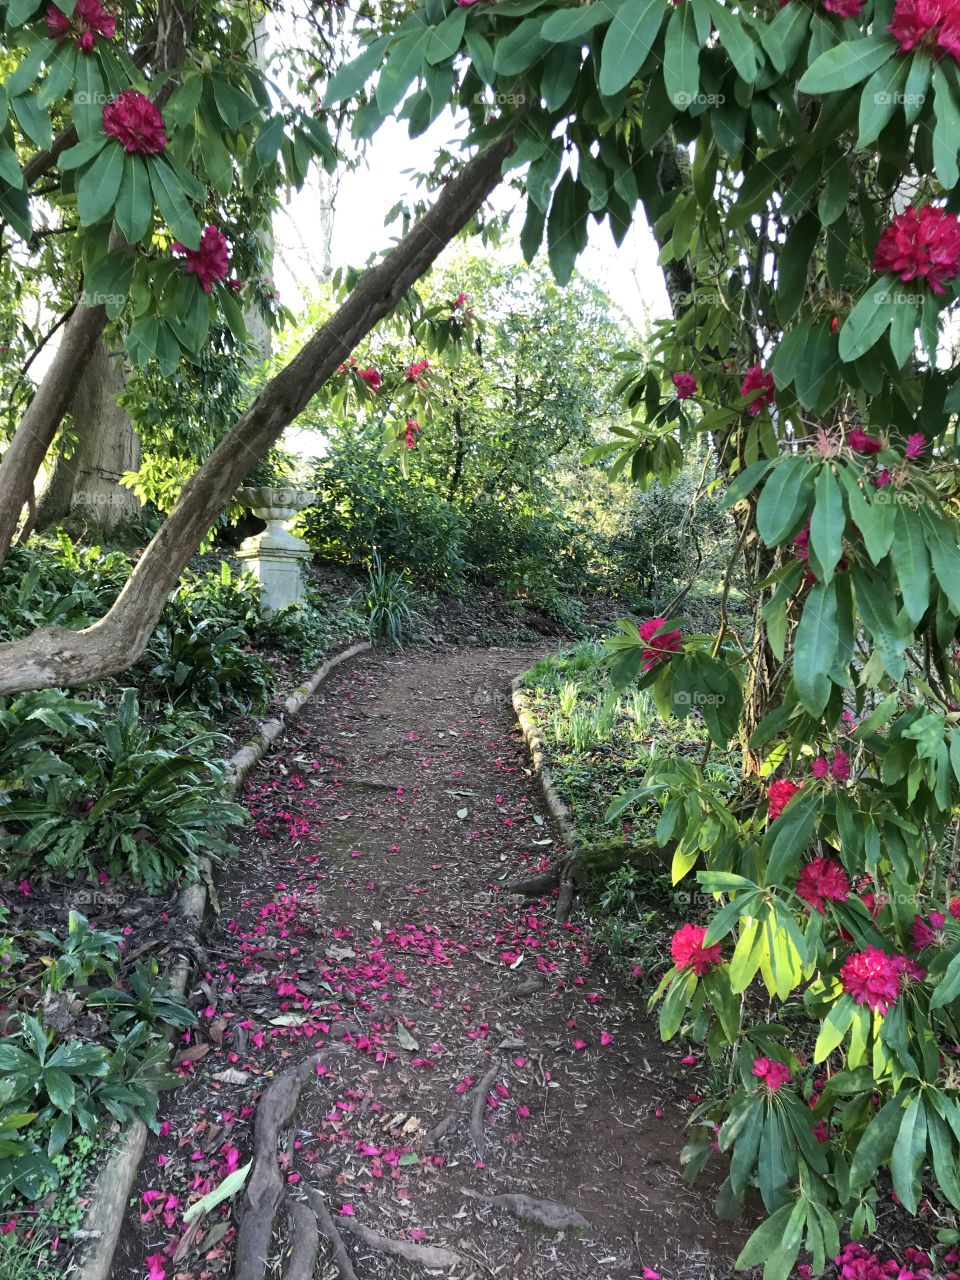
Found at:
(86, 485)
(53, 656)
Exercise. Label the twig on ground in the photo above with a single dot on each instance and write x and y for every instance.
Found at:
(545, 1213)
(427, 1255)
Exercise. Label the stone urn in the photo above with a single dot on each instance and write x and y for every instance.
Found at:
(275, 557)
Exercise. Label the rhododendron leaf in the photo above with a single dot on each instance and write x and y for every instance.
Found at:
(874, 519)
(946, 133)
(908, 1152)
(217, 163)
(834, 1027)
(738, 44)
(846, 64)
(784, 498)
(903, 329)
(775, 1160)
(890, 634)
(480, 52)
(134, 210)
(827, 524)
(34, 121)
(350, 79)
(943, 1148)
(747, 956)
(765, 1240)
(566, 226)
(561, 68)
(789, 836)
(18, 11)
(98, 185)
(628, 40)
(746, 482)
(681, 57)
(911, 563)
(869, 319)
(941, 540)
(172, 203)
(10, 171)
(572, 24)
(88, 99)
(675, 1003)
(227, 1188)
(445, 39)
(521, 48)
(948, 988)
(816, 646)
(28, 68)
(793, 267)
(400, 69)
(783, 38)
(233, 314)
(882, 94)
(109, 278)
(81, 154)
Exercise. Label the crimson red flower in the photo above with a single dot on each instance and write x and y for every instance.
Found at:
(845, 8)
(659, 646)
(921, 244)
(688, 951)
(872, 978)
(413, 430)
(757, 380)
(779, 795)
(89, 20)
(773, 1074)
(821, 880)
(686, 385)
(860, 442)
(954, 908)
(135, 122)
(916, 443)
(417, 371)
(933, 24)
(371, 377)
(820, 767)
(840, 766)
(211, 261)
(459, 301)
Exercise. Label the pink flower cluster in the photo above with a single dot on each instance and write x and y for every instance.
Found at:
(779, 795)
(837, 768)
(413, 430)
(872, 978)
(89, 20)
(211, 261)
(773, 1074)
(660, 645)
(932, 24)
(860, 442)
(757, 380)
(686, 385)
(844, 8)
(417, 371)
(135, 122)
(856, 1262)
(688, 951)
(925, 931)
(921, 244)
(372, 377)
(821, 880)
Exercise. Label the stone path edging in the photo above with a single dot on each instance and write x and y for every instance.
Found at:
(108, 1200)
(541, 770)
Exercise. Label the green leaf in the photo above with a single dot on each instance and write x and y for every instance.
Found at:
(98, 185)
(846, 64)
(350, 79)
(89, 99)
(217, 162)
(784, 498)
(911, 562)
(566, 227)
(34, 121)
(445, 39)
(948, 988)
(834, 1027)
(681, 57)
(134, 209)
(875, 1145)
(61, 1090)
(827, 524)
(736, 41)
(400, 70)
(881, 96)
(946, 134)
(941, 542)
(83, 152)
(573, 24)
(629, 38)
(172, 203)
(227, 1188)
(908, 1151)
(783, 38)
(869, 319)
(521, 48)
(946, 1158)
(816, 647)
(789, 836)
(766, 1240)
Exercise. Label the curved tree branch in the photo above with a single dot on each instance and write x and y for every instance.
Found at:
(54, 656)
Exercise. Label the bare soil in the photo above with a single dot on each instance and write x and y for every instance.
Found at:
(366, 913)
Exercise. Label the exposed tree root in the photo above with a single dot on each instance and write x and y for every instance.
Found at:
(302, 1262)
(477, 1110)
(328, 1230)
(427, 1255)
(545, 1213)
(535, 886)
(264, 1187)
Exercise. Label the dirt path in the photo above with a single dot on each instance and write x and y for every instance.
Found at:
(366, 911)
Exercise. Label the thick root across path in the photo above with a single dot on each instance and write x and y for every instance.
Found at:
(490, 1100)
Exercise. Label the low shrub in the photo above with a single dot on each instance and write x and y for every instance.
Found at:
(84, 787)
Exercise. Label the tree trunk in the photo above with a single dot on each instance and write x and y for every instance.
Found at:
(86, 485)
(54, 656)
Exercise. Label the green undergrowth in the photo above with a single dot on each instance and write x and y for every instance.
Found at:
(599, 746)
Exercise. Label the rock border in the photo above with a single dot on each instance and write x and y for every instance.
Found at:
(111, 1191)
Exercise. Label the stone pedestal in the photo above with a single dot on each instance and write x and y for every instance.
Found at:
(275, 557)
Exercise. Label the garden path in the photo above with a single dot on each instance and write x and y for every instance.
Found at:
(366, 909)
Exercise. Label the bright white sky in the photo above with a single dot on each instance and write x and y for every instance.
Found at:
(630, 274)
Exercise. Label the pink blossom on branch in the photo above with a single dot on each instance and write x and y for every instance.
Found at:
(211, 261)
(660, 645)
(845, 8)
(934, 24)
(773, 1074)
(688, 951)
(821, 880)
(757, 380)
(89, 20)
(872, 978)
(135, 122)
(779, 795)
(916, 444)
(686, 385)
(860, 442)
(372, 377)
(921, 244)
